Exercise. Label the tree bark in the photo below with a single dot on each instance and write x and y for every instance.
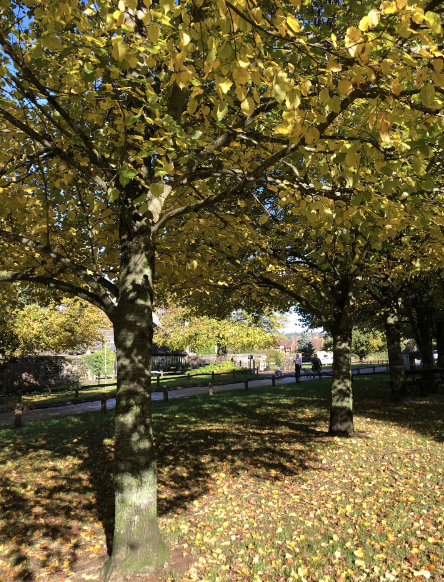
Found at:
(341, 411)
(396, 363)
(138, 548)
(439, 322)
(424, 330)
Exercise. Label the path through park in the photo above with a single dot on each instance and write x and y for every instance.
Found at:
(45, 413)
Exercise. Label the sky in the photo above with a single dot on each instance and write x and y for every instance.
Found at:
(293, 324)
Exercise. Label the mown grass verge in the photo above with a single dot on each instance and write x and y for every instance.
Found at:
(249, 483)
(57, 394)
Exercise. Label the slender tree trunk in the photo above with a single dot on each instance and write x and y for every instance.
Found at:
(439, 322)
(396, 363)
(341, 411)
(137, 546)
(424, 331)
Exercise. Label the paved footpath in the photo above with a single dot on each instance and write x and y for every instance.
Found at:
(44, 413)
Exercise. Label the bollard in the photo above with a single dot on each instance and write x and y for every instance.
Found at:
(19, 394)
(103, 404)
(158, 381)
(234, 373)
(189, 378)
(386, 368)
(76, 391)
(273, 380)
(18, 416)
(246, 384)
(359, 370)
(212, 376)
(210, 389)
(374, 369)
(165, 394)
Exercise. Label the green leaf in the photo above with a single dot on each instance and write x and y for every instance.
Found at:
(126, 175)
(113, 194)
(156, 189)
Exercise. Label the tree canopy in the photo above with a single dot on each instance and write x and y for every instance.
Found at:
(240, 331)
(116, 119)
(30, 329)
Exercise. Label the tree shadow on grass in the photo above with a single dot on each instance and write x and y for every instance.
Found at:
(266, 438)
(60, 478)
(421, 415)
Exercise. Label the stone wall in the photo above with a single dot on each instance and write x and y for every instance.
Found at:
(38, 372)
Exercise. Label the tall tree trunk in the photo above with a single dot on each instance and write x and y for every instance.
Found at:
(423, 332)
(341, 411)
(137, 546)
(396, 363)
(439, 322)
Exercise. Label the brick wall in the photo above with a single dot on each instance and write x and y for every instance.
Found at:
(31, 374)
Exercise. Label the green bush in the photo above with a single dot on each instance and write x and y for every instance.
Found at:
(96, 362)
(227, 366)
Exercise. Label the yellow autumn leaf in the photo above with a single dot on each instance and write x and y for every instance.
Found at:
(427, 94)
(257, 15)
(153, 32)
(282, 129)
(352, 160)
(396, 87)
(437, 65)
(184, 38)
(119, 50)
(225, 85)
(323, 95)
(241, 75)
(305, 86)
(370, 21)
(388, 7)
(359, 553)
(263, 219)
(364, 24)
(293, 23)
(332, 65)
(247, 106)
(345, 87)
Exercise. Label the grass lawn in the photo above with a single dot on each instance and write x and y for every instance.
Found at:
(249, 484)
(61, 395)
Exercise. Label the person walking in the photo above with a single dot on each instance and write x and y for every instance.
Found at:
(316, 365)
(298, 367)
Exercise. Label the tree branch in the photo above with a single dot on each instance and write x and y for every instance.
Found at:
(98, 283)
(11, 277)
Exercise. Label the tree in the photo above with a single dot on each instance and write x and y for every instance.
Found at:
(114, 121)
(305, 347)
(180, 330)
(59, 327)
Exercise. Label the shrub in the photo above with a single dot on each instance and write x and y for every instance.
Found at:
(96, 362)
